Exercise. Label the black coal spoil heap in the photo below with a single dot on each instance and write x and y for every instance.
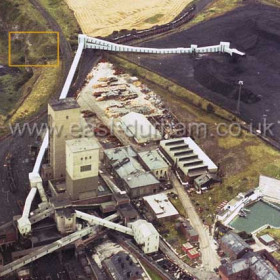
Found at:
(253, 29)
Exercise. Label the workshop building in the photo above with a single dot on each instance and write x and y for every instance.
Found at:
(160, 207)
(189, 159)
(266, 239)
(153, 161)
(130, 174)
(204, 181)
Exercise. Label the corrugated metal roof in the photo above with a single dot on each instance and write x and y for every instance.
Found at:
(161, 205)
(125, 163)
(188, 156)
(234, 242)
(153, 160)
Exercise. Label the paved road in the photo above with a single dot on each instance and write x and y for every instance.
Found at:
(210, 259)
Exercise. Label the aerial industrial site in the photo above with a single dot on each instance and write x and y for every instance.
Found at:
(139, 140)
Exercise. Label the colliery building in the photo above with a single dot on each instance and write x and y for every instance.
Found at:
(250, 266)
(187, 157)
(152, 160)
(160, 207)
(234, 246)
(122, 266)
(130, 174)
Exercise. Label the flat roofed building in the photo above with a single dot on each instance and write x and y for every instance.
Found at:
(82, 167)
(188, 157)
(130, 173)
(62, 114)
(270, 188)
(138, 126)
(266, 239)
(160, 207)
(153, 161)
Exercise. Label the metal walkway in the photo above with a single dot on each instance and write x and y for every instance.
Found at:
(94, 43)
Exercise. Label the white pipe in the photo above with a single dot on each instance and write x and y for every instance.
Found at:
(41, 154)
(28, 202)
(94, 43)
(72, 71)
(102, 222)
(24, 224)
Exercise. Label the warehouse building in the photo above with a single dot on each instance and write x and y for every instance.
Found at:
(152, 160)
(160, 207)
(130, 174)
(138, 126)
(188, 157)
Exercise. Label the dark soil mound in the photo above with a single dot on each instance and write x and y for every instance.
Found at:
(218, 77)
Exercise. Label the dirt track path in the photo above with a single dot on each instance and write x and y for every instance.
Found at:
(210, 259)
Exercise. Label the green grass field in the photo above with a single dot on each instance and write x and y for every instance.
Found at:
(154, 19)
(24, 93)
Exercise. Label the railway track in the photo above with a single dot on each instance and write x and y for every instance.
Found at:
(66, 52)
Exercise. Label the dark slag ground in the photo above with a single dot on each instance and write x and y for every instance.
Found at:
(253, 29)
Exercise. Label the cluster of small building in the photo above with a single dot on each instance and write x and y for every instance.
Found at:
(243, 263)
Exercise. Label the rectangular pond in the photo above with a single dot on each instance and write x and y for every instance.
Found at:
(259, 214)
